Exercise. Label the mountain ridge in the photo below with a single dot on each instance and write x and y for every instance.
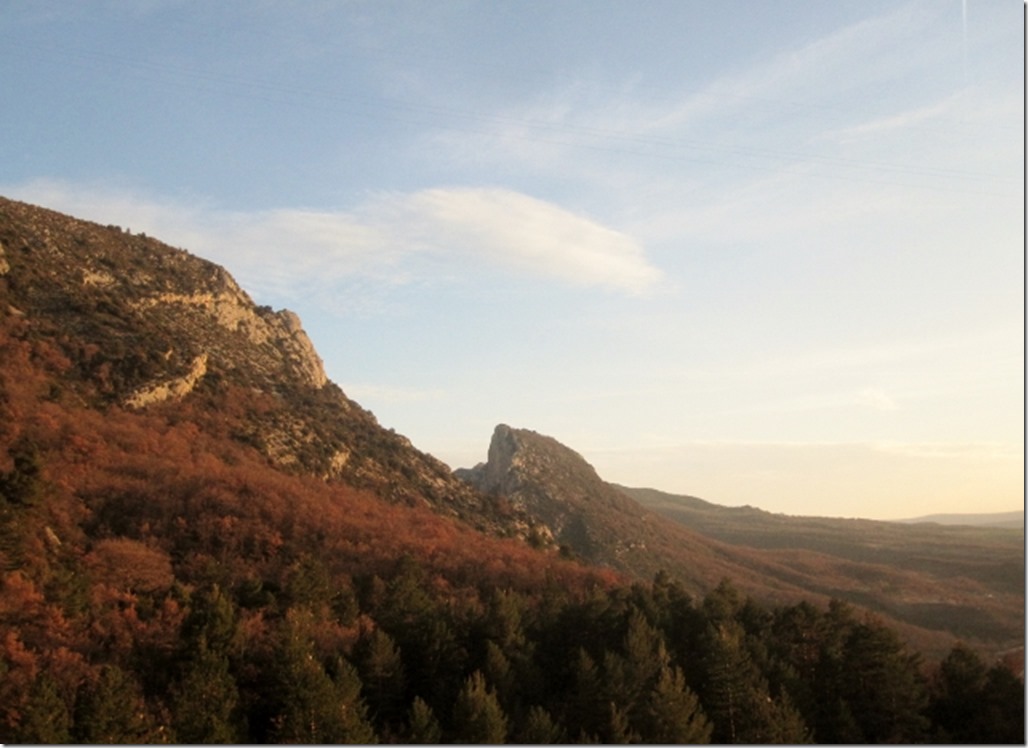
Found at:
(965, 581)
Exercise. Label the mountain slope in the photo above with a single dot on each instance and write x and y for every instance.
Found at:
(145, 327)
(939, 583)
(993, 557)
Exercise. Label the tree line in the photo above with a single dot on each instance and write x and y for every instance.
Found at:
(398, 659)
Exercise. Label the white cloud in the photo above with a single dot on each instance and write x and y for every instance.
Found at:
(517, 230)
(388, 240)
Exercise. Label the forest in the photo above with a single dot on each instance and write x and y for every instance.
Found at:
(163, 583)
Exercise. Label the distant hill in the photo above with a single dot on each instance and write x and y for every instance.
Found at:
(971, 580)
(1012, 520)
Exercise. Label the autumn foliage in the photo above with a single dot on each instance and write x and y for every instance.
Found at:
(163, 579)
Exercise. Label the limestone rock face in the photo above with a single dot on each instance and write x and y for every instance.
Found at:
(173, 389)
(147, 327)
(556, 490)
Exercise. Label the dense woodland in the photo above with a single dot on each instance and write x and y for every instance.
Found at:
(163, 583)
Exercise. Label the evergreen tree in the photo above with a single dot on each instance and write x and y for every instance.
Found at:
(498, 672)
(726, 683)
(736, 697)
(23, 485)
(422, 726)
(540, 729)
(618, 728)
(957, 691)
(585, 703)
(45, 718)
(212, 618)
(310, 706)
(973, 704)
(309, 584)
(354, 724)
(673, 712)
(382, 673)
(205, 700)
(1002, 707)
(477, 714)
(112, 710)
(723, 603)
(883, 685)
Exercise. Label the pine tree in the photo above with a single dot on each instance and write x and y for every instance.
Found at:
(540, 729)
(673, 712)
(585, 703)
(111, 711)
(422, 726)
(354, 724)
(45, 719)
(382, 673)
(212, 617)
(726, 685)
(312, 707)
(205, 700)
(477, 714)
(883, 686)
(736, 697)
(975, 704)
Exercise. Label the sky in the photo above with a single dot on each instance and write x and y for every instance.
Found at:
(763, 253)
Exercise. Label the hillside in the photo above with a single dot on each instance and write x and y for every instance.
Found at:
(202, 539)
(977, 573)
(936, 583)
(143, 326)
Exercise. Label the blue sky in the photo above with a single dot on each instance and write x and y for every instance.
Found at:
(762, 253)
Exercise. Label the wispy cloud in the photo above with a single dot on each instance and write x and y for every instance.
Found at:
(513, 229)
(388, 240)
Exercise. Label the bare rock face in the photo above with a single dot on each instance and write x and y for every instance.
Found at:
(556, 489)
(145, 326)
(172, 389)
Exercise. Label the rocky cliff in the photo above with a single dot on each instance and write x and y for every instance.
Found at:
(143, 325)
(572, 506)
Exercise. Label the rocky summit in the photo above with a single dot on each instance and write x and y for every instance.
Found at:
(552, 483)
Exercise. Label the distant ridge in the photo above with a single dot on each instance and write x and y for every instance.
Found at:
(994, 519)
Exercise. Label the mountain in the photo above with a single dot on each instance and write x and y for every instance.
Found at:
(202, 539)
(936, 582)
(146, 327)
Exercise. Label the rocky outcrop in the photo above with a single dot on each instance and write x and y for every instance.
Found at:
(556, 489)
(231, 309)
(172, 389)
